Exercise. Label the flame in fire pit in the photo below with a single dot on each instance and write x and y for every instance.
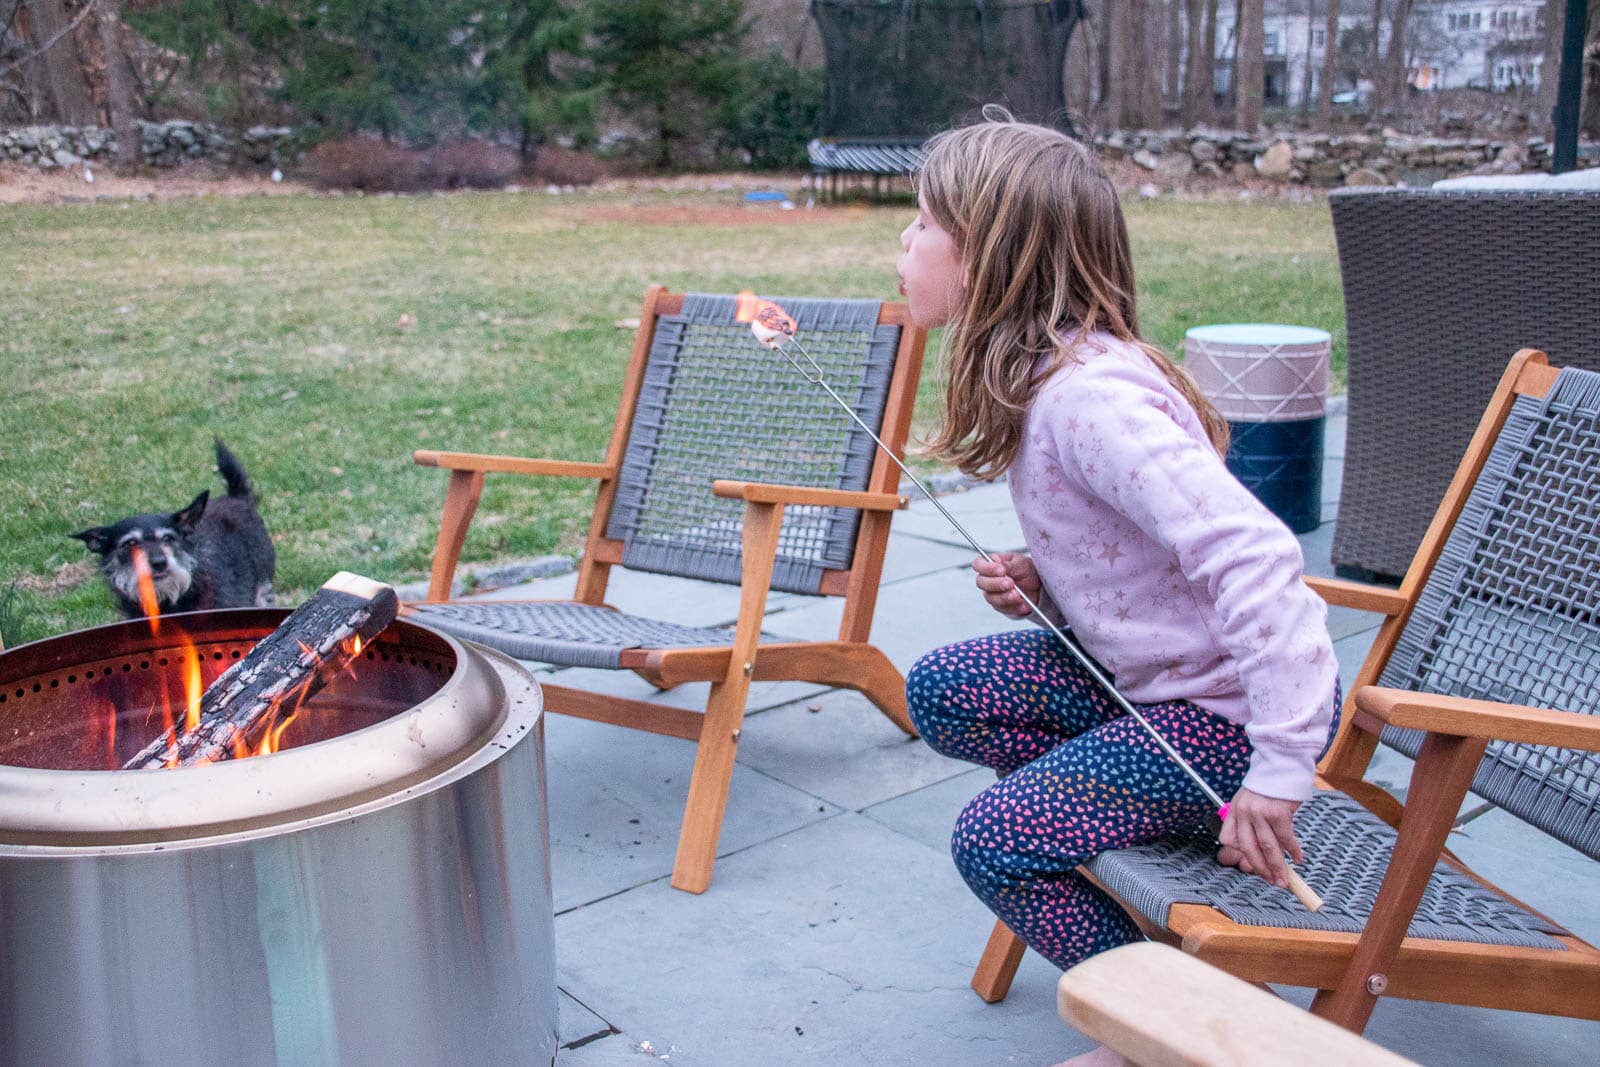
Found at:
(147, 590)
(273, 725)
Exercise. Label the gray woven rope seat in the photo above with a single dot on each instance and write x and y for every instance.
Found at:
(725, 465)
(1347, 854)
(571, 635)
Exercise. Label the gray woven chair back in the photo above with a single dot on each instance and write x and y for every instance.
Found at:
(1439, 288)
(717, 404)
(1511, 612)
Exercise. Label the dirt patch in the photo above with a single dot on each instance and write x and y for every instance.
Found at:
(717, 215)
(77, 185)
(67, 576)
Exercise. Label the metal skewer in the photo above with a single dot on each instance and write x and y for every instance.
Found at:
(781, 341)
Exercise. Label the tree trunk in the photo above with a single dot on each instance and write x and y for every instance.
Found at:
(1555, 13)
(120, 103)
(1330, 68)
(60, 68)
(1207, 110)
(1172, 83)
(1589, 123)
(1195, 93)
(1251, 80)
(1392, 76)
(1151, 42)
(1311, 42)
(1120, 85)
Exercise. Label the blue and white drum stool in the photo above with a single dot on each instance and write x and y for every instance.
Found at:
(1271, 383)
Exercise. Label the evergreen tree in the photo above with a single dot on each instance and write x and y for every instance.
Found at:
(528, 80)
(671, 62)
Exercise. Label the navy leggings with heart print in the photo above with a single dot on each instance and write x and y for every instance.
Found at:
(1078, 777)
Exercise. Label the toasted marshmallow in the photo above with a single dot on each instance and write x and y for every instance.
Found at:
(772, 326)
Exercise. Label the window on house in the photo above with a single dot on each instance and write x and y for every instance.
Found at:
(1272, 43)
(1477, 20)
(1318, 38)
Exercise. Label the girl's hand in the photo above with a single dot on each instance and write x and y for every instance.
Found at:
(1000, 581)
(1259, 830)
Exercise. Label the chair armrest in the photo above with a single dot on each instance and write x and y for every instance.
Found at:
(1462, 717)
(1161, 1007)
(470, 461)
(764, 493)
(1358, 595)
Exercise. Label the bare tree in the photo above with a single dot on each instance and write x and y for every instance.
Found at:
(1311, 42)
(53, 63)
(120, 102)
(1150, 42)
(1589, 122)
(1172, 36)
(1131, 76)
(1391, 78)
(1250, 81)
(1330, 68)
(1199, 71)
(1553, 14)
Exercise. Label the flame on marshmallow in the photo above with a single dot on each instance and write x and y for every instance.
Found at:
(769, 322)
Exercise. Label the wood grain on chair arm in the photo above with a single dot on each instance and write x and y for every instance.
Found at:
(765, 493)
(470, 461)
(1358, 595)
(1461, 717)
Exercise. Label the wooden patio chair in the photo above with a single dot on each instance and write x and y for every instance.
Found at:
(1486, 670)
(725, 465)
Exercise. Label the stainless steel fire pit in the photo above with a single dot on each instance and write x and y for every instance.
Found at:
(377, 892)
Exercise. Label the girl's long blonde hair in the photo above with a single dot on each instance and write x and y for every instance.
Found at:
(1045, 249)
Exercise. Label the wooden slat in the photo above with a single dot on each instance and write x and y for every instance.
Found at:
(767, 493)
(474, 461)
(621, 711)
(1546, 981)
(1161, 1008)
(1462, 717)
(1358, 595)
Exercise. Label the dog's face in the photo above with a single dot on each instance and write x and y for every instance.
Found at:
(159, 543)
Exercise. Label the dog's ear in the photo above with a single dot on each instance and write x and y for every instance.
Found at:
(98, 539)
(186, 519)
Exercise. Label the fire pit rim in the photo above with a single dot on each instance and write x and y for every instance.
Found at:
(487, 702)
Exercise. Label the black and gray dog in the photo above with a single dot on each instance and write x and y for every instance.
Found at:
(211, 554)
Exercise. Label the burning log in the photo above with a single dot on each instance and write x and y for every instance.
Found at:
(282, 671)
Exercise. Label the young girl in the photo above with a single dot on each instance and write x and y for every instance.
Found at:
(1165, 569)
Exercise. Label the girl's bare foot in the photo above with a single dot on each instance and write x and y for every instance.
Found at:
(1099, 1056)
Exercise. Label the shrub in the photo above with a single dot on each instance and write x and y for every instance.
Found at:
(555, 165)
(775, 114)
(473, 163)
(366, 163)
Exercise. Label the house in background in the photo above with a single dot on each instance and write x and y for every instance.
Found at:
(1496, 45)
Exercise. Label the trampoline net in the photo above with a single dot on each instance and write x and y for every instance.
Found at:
(909, 68)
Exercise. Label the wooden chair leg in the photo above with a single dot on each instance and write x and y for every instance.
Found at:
(883, 684)
(998, 965)
(460, 504)
(1443, 771)
(708, 787)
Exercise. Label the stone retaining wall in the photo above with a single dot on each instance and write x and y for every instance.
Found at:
(1327, 159)
(161, 144)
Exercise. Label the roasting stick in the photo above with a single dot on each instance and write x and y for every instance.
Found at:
(774, 328)
(283, 670)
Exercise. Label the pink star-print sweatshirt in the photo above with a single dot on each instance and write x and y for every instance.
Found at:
(1168, 571)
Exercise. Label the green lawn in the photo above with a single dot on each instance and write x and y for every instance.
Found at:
(130, 333)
